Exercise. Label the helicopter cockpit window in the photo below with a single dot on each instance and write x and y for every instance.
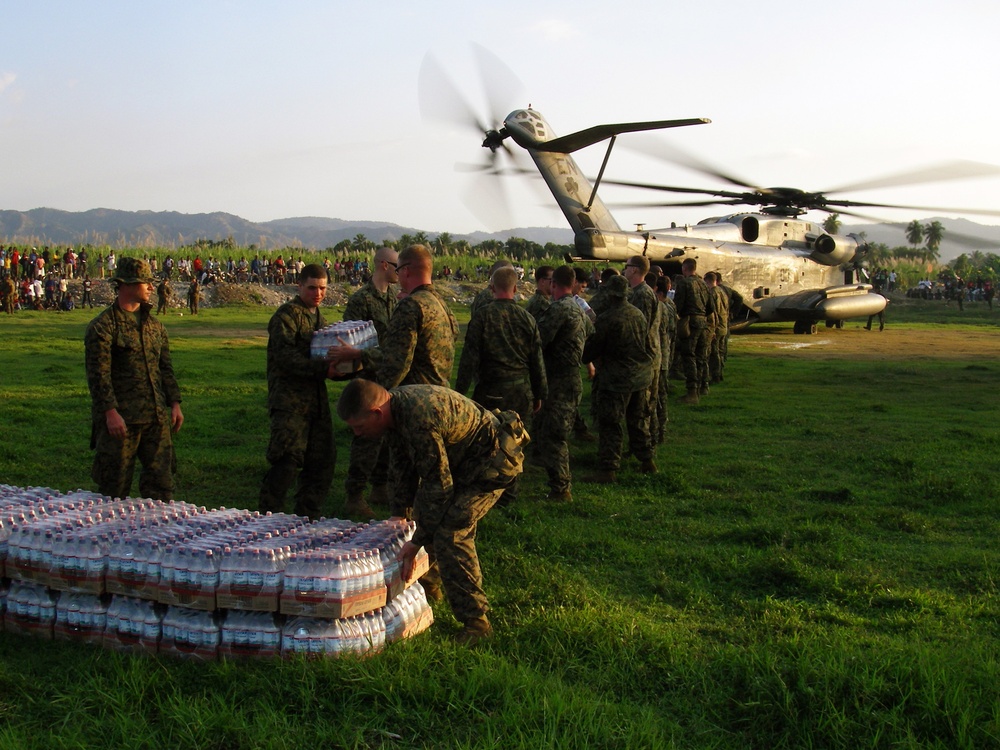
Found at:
(750, 229)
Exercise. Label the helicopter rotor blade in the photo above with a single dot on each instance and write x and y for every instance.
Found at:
(953, 170)
(501, 85)
(675, 189)
(660, 149)
(486, 197)
(862, 204)
(441, 100)
(675, 204)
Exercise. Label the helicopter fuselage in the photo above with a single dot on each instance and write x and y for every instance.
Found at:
(782, 267)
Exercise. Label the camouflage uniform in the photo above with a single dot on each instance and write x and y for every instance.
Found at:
(717, 353)
(694, 303)
(193, 297)
(645, 300)
(369, 458)
(163, 294)
(129, 369)
(481, 300)
(301, 427)
(563, 331)
(600, 301)
(9, 293)
(503, 356)
(537, 304)
(668, 332)
(445, 445)
(621, 343)
(419, 344)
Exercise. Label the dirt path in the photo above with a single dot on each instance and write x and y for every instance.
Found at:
(854, 341)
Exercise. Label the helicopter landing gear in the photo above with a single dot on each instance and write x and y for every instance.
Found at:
(804, 327)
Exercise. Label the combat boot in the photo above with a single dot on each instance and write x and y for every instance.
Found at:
(379, 496)
(648, 467)
(560, 496)
(703, 391)
(475, 630)
(691, 397)
(357, 508)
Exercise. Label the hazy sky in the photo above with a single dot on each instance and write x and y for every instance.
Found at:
(270, 110)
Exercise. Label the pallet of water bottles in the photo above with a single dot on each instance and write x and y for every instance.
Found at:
(173, 577)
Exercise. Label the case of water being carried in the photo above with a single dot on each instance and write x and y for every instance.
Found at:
(359, 334)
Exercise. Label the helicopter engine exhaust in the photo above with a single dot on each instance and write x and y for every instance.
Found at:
(834, 251)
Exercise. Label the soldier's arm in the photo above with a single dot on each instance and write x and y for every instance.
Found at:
(433, 497)
(97, 352)
(291, 358)
(536, 369)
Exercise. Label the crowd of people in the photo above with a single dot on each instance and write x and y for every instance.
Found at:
(424, 448)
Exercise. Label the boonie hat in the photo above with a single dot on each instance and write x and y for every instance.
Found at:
(617, 287)
(133, 271)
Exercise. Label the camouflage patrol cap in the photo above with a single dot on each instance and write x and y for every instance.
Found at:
(616, 287)
(133, 271)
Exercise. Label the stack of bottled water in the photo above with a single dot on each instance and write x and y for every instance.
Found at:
(181, 579)
(133, 624)
(190, 632)
(359, 334)
(81, 617)
(250, 634)
(314, 636)
(407, 614)
(31, 609)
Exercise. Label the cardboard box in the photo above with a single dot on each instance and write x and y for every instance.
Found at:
(308, 604)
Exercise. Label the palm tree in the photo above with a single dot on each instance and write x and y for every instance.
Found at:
(831, 224)
(360, 243)
(934, 233)
(915, 232)
(420, 238)
(443, 243)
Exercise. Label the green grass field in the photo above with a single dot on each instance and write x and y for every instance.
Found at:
(816, 565)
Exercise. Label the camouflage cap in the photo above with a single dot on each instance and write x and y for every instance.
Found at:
(133, 271)
(616, 287)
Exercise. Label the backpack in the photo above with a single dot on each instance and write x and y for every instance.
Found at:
(508, 461)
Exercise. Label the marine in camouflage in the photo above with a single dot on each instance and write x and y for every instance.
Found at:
(718, 350)
(368, 303)
(563, 332)
(621, 349)
(419, 344)
(445, 446)
(301, 428)
(369, 460)
(129, 369)
(694, 302)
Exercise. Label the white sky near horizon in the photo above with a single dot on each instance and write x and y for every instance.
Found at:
(271, 110)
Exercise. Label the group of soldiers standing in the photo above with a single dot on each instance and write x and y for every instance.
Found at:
(426, 450)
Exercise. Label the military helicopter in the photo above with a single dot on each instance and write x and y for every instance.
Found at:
(780, 266)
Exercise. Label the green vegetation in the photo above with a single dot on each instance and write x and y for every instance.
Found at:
(815, 566)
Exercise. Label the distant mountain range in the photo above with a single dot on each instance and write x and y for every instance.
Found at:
(102, 226)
